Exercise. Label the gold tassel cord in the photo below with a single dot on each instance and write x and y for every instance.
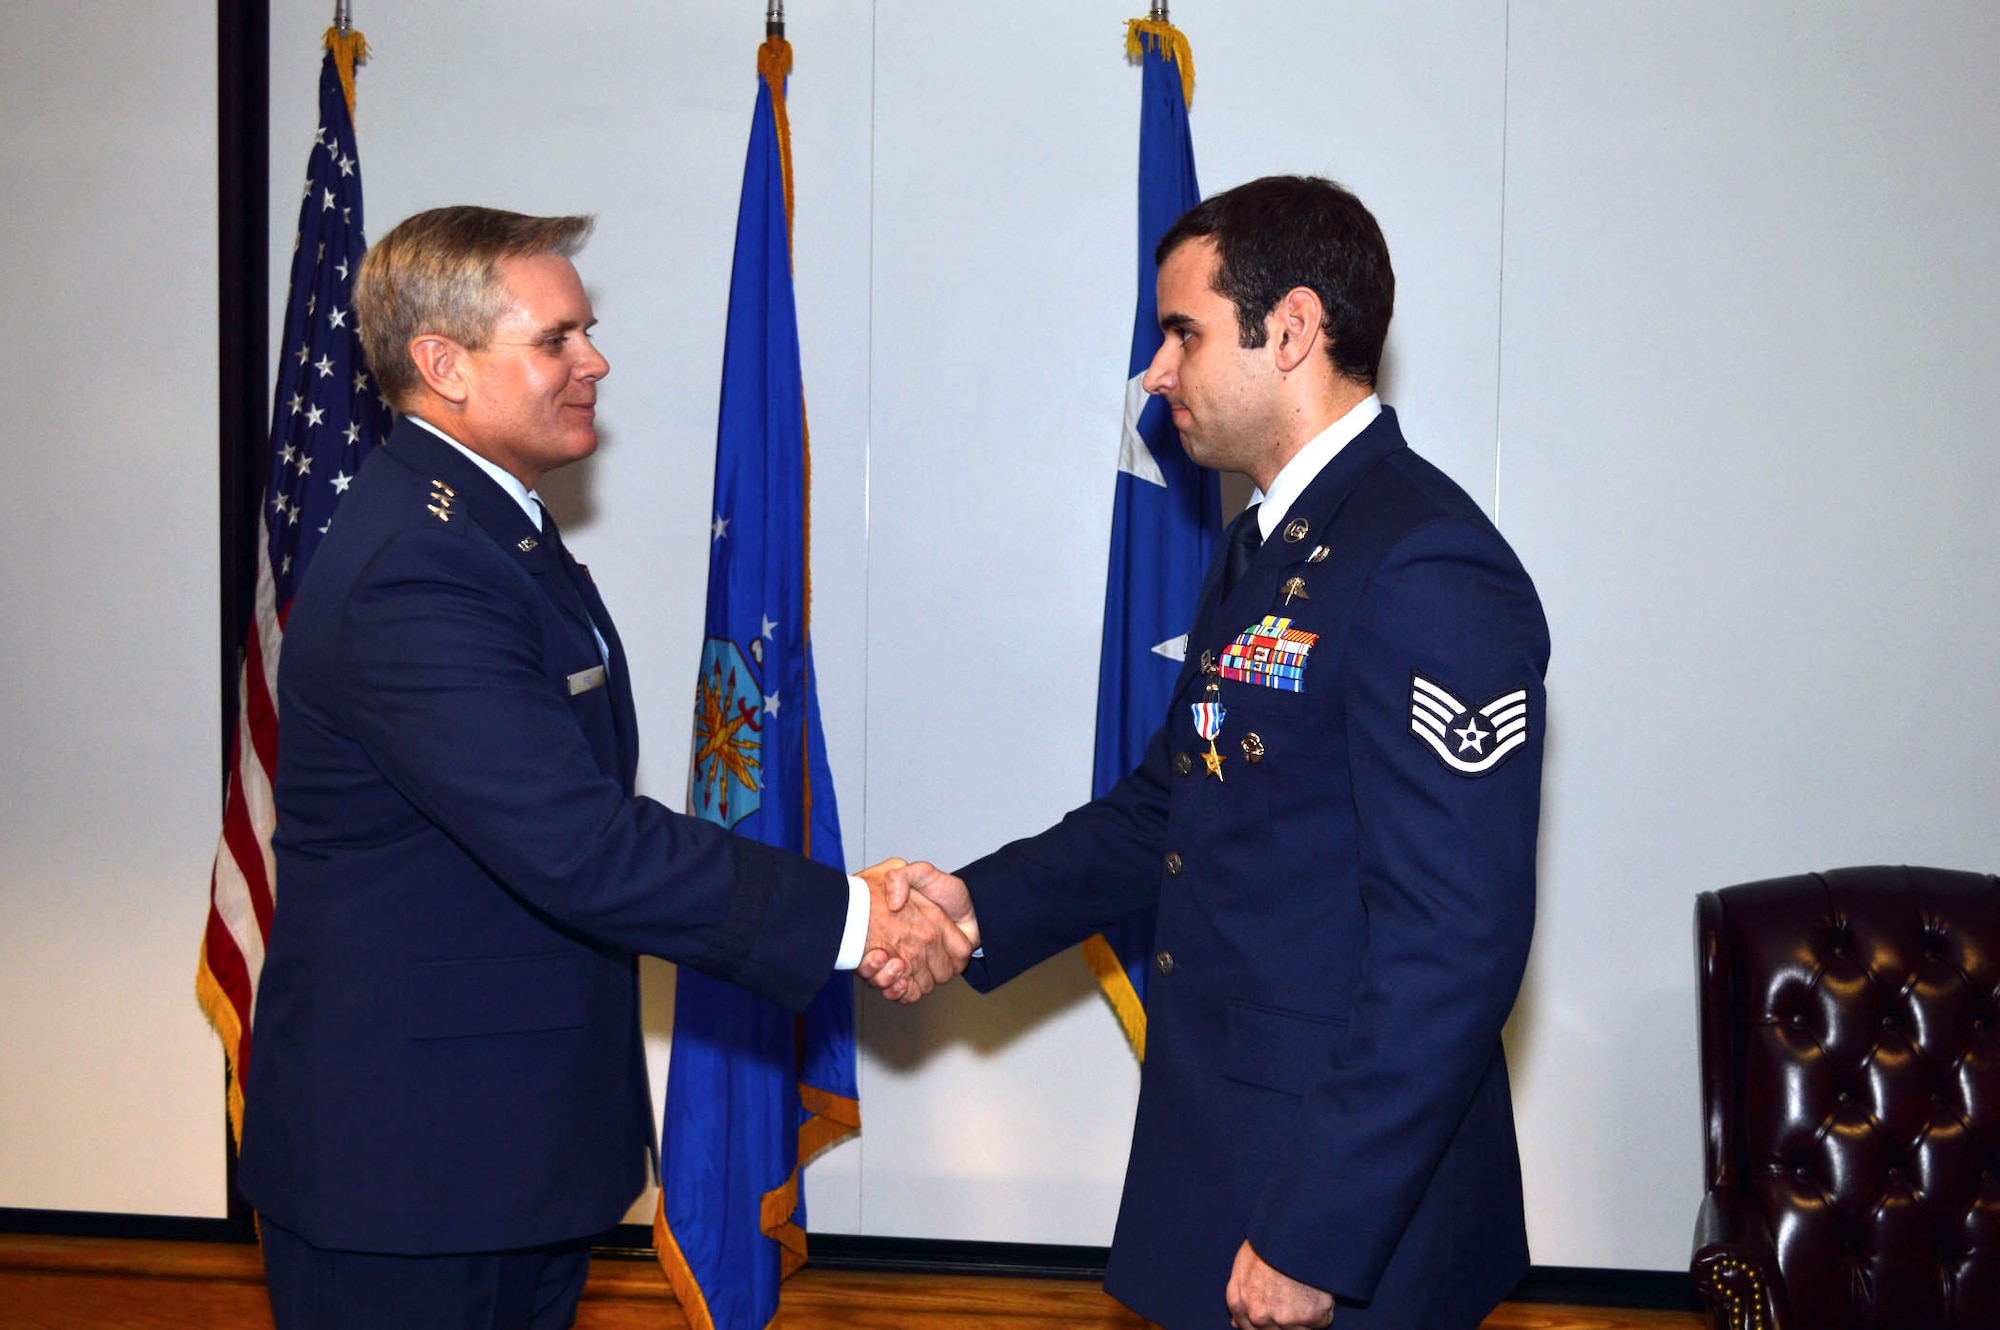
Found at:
(349, 49)
(1170, 41)
(1118, 991)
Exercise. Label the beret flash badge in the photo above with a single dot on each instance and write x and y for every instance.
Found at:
(1469, 741)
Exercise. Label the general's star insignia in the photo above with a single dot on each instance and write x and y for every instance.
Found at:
(1469, 740)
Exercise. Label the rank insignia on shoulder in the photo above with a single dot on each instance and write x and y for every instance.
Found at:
(442, 514)
(1270, 655)
(1469, 740)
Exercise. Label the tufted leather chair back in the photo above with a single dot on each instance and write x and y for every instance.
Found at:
(1851, 1081)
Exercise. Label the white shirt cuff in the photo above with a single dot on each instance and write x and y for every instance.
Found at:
(855, 936)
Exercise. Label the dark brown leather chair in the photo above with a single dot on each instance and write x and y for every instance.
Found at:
(1850, 1076)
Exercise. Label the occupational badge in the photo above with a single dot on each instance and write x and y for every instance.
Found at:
(1469, 740)
(1270, 655)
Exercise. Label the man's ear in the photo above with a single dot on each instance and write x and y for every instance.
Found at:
(1294, 327)
(442, 366)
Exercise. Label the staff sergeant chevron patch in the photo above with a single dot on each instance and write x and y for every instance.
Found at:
(1470, 742)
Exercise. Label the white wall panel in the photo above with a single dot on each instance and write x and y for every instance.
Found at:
(111, 1097)
(1746, 442)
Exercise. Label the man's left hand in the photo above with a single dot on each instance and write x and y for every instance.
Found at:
(1260, 1298)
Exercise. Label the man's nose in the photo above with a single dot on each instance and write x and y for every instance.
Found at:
(594, 366)
(1159, 376)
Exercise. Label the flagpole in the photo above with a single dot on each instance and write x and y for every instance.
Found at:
(774, 19)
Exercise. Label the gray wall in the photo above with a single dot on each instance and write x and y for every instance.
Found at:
(1694, 298)
(108, 572)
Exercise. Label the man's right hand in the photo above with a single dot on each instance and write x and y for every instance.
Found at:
(912, 945)
(932, 887)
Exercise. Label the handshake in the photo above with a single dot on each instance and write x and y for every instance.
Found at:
(921, 930)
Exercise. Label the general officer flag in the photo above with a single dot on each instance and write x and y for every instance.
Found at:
(1167, 516)
(754, 1091)
(328, 417)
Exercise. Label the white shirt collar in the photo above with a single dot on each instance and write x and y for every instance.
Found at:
(1309, 461)
(530, 502)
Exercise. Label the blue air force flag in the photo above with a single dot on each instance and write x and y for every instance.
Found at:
(1166, 517)
(753, 1091)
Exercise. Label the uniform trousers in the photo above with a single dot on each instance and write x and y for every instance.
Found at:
(314, 1288)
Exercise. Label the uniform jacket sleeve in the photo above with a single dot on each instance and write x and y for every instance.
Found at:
(1034, 897)
(448, 680)
(1447, 873)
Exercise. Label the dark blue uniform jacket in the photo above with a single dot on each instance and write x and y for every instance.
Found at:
(447, 1050)
(1344, 915)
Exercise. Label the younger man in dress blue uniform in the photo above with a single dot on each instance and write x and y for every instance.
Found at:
(448, 1095)
(1336, 822)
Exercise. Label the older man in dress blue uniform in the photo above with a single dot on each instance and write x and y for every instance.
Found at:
(1336, 822)
(448, 1094)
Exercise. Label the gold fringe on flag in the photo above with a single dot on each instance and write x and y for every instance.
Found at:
(349, 49)
(680, 1275)
(1170, 41)
(221, 1013)
(774, 66)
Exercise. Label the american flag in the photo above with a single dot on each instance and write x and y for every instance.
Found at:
(327, 417)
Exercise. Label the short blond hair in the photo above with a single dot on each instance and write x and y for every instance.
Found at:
(437, 272)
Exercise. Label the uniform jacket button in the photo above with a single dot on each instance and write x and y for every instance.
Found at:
(1183, 763)
(1164, 962)
(1174, 862)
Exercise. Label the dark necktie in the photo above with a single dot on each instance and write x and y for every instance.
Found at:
(566, 569)
(1244, 539)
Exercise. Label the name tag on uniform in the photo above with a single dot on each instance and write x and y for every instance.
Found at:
(585, 680)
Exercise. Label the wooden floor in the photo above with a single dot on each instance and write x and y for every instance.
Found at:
(85, 1283)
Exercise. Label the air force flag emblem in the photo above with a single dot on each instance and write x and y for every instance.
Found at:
(1470, 742)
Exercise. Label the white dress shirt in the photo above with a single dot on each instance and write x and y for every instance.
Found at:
(1309, 461)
